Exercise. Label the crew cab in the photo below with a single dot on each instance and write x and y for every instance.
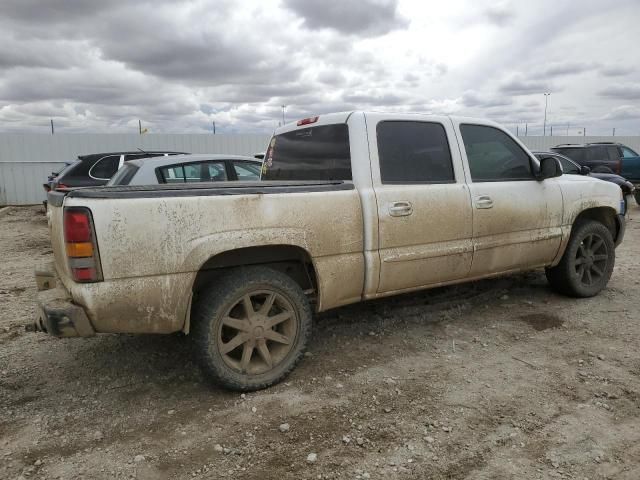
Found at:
(351, 206)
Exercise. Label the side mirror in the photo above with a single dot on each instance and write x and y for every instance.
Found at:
(585, 170)
(550, 167)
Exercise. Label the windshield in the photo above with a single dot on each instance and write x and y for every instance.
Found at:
(315, 153)
(65, 168)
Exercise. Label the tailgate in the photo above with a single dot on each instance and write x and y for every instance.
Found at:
(55, 221)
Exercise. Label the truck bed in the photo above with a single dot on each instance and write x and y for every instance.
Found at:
(56, 198)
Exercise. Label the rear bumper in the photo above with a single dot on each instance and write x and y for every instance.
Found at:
(56, 314)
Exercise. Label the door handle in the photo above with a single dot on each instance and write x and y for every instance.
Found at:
(400, 209)
(484, 201)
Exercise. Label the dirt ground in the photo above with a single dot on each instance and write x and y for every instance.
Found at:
(500, 379)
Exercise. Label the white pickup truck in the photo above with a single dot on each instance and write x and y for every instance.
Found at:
(351, 207)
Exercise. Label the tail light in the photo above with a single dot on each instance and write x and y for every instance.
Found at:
(307, 121)
(62, 186)
(81, 245)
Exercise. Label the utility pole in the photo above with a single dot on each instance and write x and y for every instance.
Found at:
(526, 129)
(284, 107)
(567, 129)
(614, 131)
(546, 100)
(552, 130)
(213, 124)
(584, 131)
(517, 130)
(52, 131)
(139, 127)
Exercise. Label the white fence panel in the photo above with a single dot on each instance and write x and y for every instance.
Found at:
(27, 159)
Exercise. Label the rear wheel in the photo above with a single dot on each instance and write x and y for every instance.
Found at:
(587, 263)
(251, 328)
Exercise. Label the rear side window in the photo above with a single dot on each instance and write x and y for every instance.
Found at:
(316, 153)
(597, 154)
(628, 153)
(414, 152)
(105, 167)
(575, 154)
(246, 171)
(493, 155)
(614, 154)
(124, 175)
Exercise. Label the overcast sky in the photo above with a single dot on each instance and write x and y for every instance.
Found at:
(100, 66)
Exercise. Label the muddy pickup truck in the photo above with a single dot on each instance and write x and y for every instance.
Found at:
(351, 207)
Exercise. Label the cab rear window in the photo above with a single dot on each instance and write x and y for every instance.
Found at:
(315, 153)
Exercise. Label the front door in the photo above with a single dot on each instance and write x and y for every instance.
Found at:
(424, 208)
(516, 219)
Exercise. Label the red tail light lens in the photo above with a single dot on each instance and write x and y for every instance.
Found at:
(77, 226)
(81, 245)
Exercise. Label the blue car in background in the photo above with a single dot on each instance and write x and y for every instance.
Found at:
(631, 168)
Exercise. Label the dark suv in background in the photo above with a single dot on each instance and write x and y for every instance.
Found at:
(601, 157)
(95, 169)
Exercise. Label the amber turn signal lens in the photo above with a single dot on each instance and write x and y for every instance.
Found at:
(79, 249)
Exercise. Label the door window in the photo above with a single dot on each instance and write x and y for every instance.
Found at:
(568, 166)
(194, 172)
(414, 152)
(105, 168)
(628, 153)
(494, 156)
(213, 172)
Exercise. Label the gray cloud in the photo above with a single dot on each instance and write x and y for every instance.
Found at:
(363, 17)
(624, 112)
(559, 69)
(623, 91)
(474, 99)
(500, 14)
(617, 70)
(521, 85)
(178, 65)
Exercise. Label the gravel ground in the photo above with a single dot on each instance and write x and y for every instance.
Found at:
(494, 380)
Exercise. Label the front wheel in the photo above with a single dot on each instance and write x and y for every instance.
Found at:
(587, 263)
(250, 328)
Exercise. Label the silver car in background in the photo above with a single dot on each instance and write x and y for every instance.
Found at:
(188, 169)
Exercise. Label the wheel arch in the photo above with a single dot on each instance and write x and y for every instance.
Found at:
(605, 215)
(292, 260)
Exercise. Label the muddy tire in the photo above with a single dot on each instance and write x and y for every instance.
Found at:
(587, 263)
(250, 328)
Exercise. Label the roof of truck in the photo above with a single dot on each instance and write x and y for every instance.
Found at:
(343, 117)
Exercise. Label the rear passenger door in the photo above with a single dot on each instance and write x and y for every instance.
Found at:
(424, 207)
(516, 219)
